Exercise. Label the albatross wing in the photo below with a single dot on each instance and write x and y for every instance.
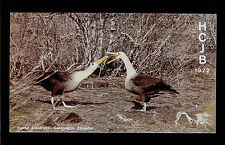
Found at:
(152, 85)
(60, 76)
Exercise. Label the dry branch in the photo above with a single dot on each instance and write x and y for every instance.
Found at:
(63, 41)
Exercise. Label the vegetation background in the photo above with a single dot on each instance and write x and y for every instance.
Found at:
(162, 45)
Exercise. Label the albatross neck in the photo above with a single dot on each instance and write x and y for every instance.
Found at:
(130, 69)
(81, 75)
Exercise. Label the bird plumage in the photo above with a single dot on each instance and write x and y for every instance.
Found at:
(150, 84)
(147, 86)
(62, 82)
(55, 83)
(141, 84)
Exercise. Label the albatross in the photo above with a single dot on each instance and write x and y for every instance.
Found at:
(63, 82)
(141, 84)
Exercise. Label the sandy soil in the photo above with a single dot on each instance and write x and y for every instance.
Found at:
(103, 105)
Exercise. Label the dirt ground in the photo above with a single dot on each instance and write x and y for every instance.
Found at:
(103, 105)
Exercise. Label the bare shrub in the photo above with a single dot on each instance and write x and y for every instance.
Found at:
(157, 44)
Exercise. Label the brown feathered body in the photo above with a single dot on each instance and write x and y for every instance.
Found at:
(60, 82)
(146, 86)
(142, 84)
(55, 82)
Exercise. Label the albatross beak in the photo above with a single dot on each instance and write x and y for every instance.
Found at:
(101, 60)
(113, 53)
(112, 60)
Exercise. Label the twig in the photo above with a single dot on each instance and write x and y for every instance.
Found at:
(30, 85)
(128, 36)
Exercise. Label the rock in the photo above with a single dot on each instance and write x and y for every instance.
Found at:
(70, 117)
(188, 106)
(11, 84)
(185, 119)
(101, 84)
(49, 122)
(115, 130)
(12, 104)
(66, 96)
(96, 84)
(84, 85)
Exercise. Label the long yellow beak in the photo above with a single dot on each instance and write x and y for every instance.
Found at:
(112, 60)
(113, 53)
(101, 60)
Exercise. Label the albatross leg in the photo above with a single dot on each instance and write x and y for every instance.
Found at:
(67, 106)
(144, 107)
(60, 99)
(54, 104)
(52, 101)
(64, 104)
(57, 101)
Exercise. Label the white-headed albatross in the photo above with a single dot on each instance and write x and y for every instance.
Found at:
(140, 84)
(62, 82)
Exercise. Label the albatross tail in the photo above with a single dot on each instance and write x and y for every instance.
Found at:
(170, 91)
(173, 91)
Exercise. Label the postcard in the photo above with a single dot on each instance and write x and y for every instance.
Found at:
(112, 72)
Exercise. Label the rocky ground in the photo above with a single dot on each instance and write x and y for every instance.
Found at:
(103, 105)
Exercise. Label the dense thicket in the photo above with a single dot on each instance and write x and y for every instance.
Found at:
(157, 44)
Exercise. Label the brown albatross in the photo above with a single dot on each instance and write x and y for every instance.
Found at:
(140, 84)
(63, 82)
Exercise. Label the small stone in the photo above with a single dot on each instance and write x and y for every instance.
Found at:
(66, 96)
(84, 85)
(188, 106)
(70, 117)
(49, 122)
(101, 84)
(11, 84)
